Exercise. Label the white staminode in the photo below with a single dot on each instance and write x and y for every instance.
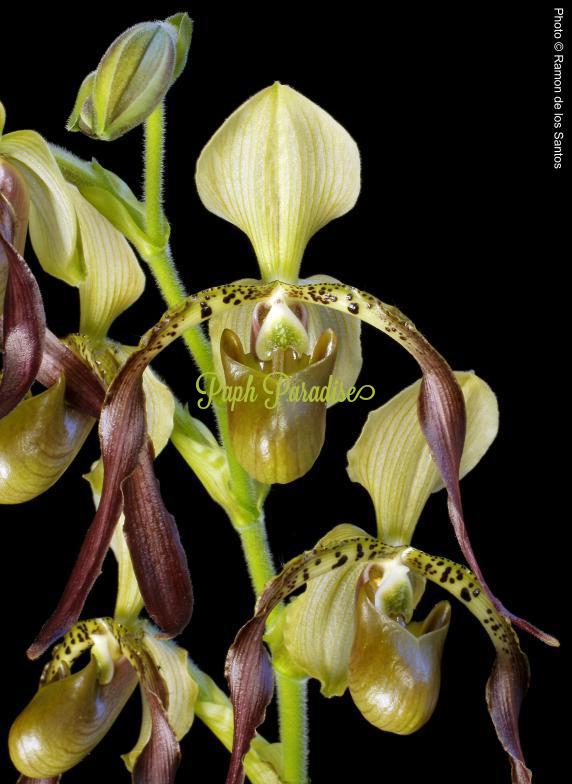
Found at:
(281, 329)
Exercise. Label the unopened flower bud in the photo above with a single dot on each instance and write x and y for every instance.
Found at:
(132, 78)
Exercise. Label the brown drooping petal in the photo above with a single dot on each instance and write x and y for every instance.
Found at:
(28, 780)
(160, 758)
(509, 678)
(251, 681)
(506, 687)
(122, 432)
(84, 391)
(24, 326)
(158, 556)
(442, 417)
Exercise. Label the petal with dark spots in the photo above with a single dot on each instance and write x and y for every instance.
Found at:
(24, 326)
(159, 560)
(508, 682)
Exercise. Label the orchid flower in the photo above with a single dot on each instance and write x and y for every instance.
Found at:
(73, 711)
(352, 627)
(280, 168)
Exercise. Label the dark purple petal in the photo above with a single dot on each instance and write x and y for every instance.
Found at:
(24, 326)
(506, 687)
(161, 756)
(251, 681)
(84, 390)
(122, 432)
(159, 560)
(442, 416)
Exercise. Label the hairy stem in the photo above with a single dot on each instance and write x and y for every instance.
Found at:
(293, 717)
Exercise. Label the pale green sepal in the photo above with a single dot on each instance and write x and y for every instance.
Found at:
(114, 280)
(392, 461)
(128, 602)
(279, 168)
(183, 25)
(348, 332)
(53, 222)
(319, 624)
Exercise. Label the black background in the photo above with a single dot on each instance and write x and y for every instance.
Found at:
(461, 222)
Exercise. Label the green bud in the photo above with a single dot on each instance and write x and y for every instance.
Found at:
(132, 78)
(183, 25)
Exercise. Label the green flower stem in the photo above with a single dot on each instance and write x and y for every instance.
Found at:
(293, 718)
(292, 711)
(256, 551)
(161, 263)
(252, 530)
(154, 159)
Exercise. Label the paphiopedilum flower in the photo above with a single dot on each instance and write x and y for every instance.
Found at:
(73, 711)
(280, 168)
(41, 435)
(352, 627)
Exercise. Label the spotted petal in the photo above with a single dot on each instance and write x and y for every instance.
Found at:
(391, 459)
(510, 675)
(279, 168)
